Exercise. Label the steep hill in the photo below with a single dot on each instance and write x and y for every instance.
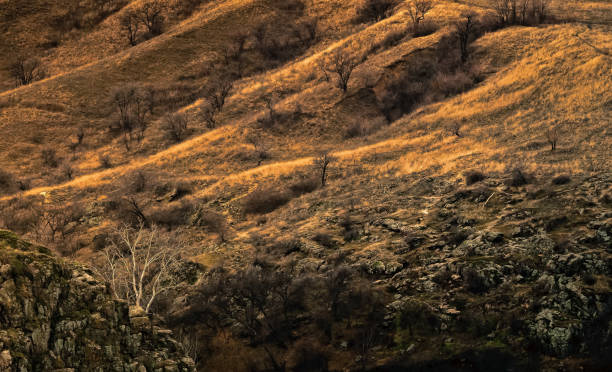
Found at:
(460, 187)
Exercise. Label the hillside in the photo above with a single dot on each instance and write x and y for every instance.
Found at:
(468, 190)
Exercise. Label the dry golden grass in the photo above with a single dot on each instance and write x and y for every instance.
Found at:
(538, 76)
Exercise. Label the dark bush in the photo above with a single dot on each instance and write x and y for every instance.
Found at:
(473, 281)
(100, 241)
(589, 279)
(304, 186)
(7, 181)
(375, 10)
(105, 161)
(264, 200)
(519, 178)
(172, 215)
(211, 220)
(286, 246)
(49, 158)
(175, 126)
(324, 239)
(472, 177)
(425, 28)
(134, 182)
(308, 355)
(561, 180)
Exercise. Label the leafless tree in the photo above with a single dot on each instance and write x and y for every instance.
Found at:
(80, 135)
(455, 128)
(129, 25)
(417, 9)
(26, 70)
(503, 8)
(539, 9)
(58, 220)
(175, 125)
(464, 30)
(217, 93)
(49, 157)
(322, 163)
(208, 115)
(151, 16)
(139, 265)
(342, 65)
(552, 136)
(134, 104)
(261, 150)
(67, 171)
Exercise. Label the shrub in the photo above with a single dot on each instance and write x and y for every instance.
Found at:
(286, 246)
(361, 128)
(304, 186)
(172, 215)
(324, 239)
(561, 180)
(19, 215)
(175, 126)
(134, 182)
(473, 281)
(308, 355)
(105, 161)
(49, 158)
(213, 221)
(264, 200)
(417, 9)
(453, 83)
(7, 181)
(26, 70)
(519, 178)
(375, 10)
(425, 28)
(471, 177)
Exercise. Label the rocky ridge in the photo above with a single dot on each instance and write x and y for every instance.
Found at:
(54, 316)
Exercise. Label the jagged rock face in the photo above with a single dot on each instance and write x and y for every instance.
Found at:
(55, 316)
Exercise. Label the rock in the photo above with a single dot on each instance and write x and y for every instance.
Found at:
(5, 360)
(494, 237)
(57, 317)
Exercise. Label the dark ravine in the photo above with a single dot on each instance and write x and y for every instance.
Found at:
(54, 316)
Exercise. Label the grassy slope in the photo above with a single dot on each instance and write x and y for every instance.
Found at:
(541, 75)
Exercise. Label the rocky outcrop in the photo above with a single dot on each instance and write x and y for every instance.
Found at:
(54, 316)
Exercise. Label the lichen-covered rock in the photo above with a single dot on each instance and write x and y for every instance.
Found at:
(54, 316)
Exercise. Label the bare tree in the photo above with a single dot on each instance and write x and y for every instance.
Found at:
(175, 125)
(129, 25)
(464, 30)
(322, 163)
(261, 150)
(134, 104)
(217, 93)
(26, 70)
(552, 136)
(417, 9)
(455, 128)
(151, 16)
(540, 9)
(215, 97)
(208, 115)
(80, 135)
(139, 265)
(342, 65)
(503, 8)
